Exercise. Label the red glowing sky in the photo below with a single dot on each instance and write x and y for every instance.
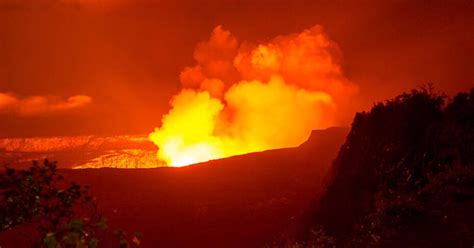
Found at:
(127, 54)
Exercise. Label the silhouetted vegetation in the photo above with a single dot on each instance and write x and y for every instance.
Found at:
(404, 176)
(63, 214)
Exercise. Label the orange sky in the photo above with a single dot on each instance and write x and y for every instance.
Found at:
(126, 55)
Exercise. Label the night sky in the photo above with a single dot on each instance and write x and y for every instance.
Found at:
(126, 55)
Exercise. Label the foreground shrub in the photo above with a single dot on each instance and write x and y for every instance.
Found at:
(63, 214)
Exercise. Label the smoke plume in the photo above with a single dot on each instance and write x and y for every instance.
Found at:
(244, 97)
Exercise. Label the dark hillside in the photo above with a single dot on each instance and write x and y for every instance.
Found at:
(242, 201)
(405, 175)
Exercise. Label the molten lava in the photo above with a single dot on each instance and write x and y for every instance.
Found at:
(246, 98)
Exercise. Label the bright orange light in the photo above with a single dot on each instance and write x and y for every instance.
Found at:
(244, 99)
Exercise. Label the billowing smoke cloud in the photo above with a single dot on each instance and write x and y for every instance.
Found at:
(40, 105)
(245, 97)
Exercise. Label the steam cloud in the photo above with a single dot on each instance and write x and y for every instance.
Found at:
(40, 105)
(245, 97)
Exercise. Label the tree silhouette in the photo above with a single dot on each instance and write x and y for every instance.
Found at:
(405, 175)
(64, 214)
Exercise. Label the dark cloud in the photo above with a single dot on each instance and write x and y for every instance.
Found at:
(40, 105)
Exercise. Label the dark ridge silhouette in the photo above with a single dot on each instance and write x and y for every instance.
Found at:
(243, 201)
(405, 175)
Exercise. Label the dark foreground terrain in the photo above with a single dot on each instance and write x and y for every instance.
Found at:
(244, 201)
(403, 177)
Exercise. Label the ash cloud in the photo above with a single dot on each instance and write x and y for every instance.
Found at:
(244, 97)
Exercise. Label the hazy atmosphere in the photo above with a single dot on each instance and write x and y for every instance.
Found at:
(199, 123)
(107, 67)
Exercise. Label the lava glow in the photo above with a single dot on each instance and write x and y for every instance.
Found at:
(242, 98)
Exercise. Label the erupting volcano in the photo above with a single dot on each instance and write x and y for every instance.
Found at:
(236, 123)
(243, 97)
